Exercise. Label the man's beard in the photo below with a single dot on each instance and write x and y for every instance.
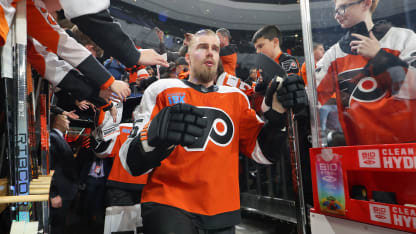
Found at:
(205, 74)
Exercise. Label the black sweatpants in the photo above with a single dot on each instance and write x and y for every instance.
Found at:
(160, 219)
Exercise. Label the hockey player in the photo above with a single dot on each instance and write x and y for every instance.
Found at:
(189, 138)
(372, 72)
(123, 191)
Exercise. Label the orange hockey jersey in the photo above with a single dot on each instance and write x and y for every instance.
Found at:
(119, 177)
(202, 179)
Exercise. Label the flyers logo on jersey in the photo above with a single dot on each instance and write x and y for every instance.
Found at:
(289, 65)
(220, 130)
(354, 85)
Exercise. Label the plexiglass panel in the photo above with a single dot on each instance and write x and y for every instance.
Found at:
(364, 53)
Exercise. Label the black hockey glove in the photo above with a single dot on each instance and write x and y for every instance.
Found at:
(99, 146)
(180, 124)
(290, 92)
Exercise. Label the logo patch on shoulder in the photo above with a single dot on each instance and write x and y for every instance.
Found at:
(289, 64)
(175, 98)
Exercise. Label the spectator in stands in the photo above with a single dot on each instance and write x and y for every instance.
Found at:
(172, 56)
(182, 68)
(228, 51)
(86, 41)
(252, 76)
(115, 68)
(64, 185)
(328, 112)
(169, 72)
(150, 71)
(318, 53)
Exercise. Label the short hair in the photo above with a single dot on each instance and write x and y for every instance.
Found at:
(83, 39)
(52, 117)
(149, 68)
(164, 72)
(224, 32)
(202, 32)
(374, 6)
(268, 32)
(316, 44)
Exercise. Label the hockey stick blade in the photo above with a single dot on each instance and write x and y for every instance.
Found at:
(269, 68)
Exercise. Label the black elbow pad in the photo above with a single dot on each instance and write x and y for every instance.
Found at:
(272, 141)
(139, 161)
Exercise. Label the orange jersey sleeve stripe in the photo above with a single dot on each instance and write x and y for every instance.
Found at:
(108, 83)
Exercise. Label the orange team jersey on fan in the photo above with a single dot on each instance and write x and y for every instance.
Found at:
(118, 175)
(137, 72)
(203, 178)
(183, 75)
(228, 55)
(376, 98)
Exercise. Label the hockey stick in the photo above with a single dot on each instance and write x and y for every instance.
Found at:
(271, 69)
(295, 157)
(21, 146)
